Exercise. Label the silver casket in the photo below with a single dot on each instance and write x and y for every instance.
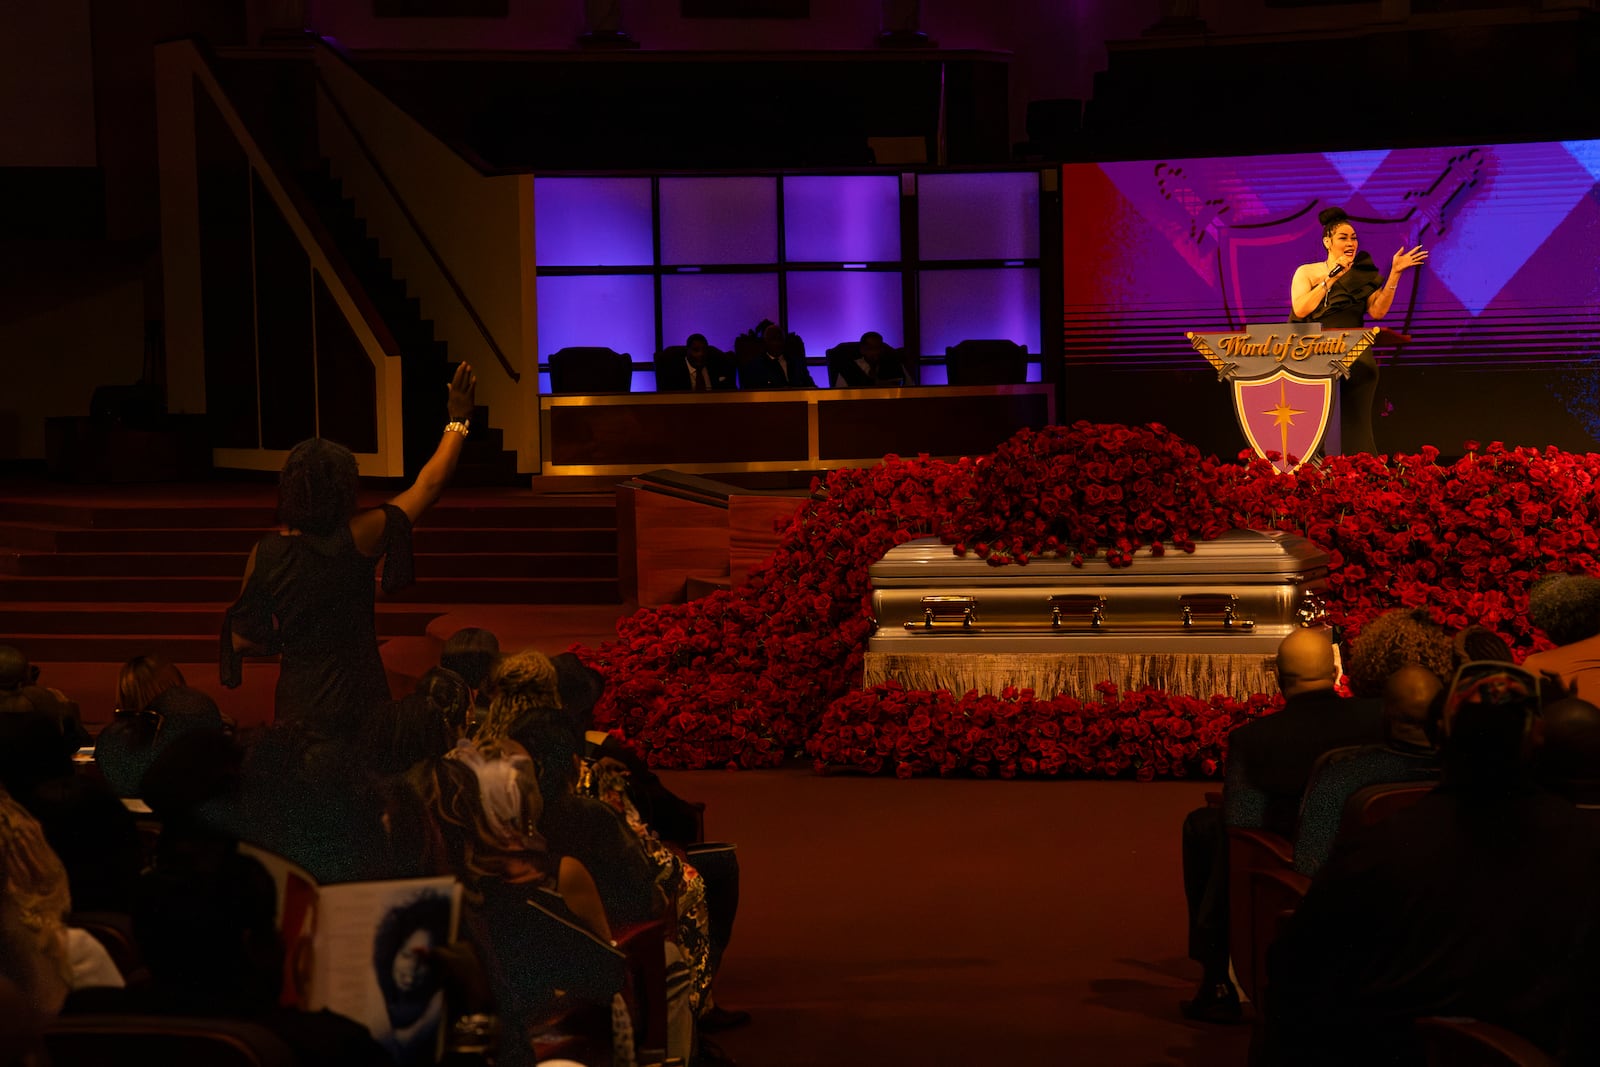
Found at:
(1197, 624)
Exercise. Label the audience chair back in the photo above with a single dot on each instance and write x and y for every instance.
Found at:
(583, 369)
(161, 1041)
(1249, 851)
(1274, 896)
(987, 362)
(1470, 1043)
(1374, 803)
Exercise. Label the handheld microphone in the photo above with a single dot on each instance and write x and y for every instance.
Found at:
(1338, 269)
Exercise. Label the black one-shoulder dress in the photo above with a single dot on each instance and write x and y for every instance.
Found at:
(1345, 308)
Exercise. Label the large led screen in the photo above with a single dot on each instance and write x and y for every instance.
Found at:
(1503, 320)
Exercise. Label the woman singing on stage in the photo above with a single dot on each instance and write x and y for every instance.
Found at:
(1340, 292)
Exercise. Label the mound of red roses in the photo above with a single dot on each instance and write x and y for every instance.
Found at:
(747, 677)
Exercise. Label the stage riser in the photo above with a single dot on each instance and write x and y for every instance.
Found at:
(66, 619)
(231, 565)
(189, 590)
(203, 516)
(430, 539)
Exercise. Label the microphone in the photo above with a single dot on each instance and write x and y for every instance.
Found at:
(1338, 269)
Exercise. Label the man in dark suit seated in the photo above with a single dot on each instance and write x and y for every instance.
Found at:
(866, 364)
(694, 368)
(1269, 761)
(775, 366)
(1480, 900)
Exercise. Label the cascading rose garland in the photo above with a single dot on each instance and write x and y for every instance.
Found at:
(750, 676)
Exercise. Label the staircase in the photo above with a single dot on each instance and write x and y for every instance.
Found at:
(425, 361)
(100, 581)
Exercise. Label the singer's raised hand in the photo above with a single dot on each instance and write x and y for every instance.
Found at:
(1404, 260)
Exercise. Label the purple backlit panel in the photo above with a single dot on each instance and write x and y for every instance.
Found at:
(592, 222)
(978, 216)
(721, 306)
(614, 311)
(719, 220)
(826, 307)
(841, 219)
(963, 305)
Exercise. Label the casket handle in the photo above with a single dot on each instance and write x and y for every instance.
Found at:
(935, 608)
(1214, 606)
(1077, 605)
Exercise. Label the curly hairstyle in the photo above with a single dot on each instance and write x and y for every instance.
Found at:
(317, 487)
(523, 682)
(1565, 606)
(427, 912)
(1393, 640)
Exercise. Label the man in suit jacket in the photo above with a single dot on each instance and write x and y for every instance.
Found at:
(1269, 762)
(694, 368)
(866, 364)
(775, 367)
(1481, 900)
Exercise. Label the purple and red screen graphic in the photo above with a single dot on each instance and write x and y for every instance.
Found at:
(1512, 230)
(1511, 286)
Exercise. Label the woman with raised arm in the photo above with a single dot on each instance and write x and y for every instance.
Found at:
(1340, 292)
(308, 589)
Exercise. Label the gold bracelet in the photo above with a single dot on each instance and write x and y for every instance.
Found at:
(459, 426)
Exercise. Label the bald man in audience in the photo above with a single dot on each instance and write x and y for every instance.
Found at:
(1269, 761)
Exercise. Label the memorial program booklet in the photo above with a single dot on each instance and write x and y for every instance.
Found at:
(362, 949)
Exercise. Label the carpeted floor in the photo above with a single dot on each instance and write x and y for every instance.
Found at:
(957, 922)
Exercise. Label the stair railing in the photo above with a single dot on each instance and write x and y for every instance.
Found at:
(353, 132)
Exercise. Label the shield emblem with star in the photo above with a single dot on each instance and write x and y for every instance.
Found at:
(1283, 415)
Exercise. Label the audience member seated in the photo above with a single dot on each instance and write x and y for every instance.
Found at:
(1269, 761)
(669, 820)
(85, 824)
(1411, 701)
(471, 652)
(452, 695)
(207, 932)
(866, 363)
(485, 803)
(414, 729)
(1567, 608)
(694, 366)
(20, 691)
(1568, 762)
(38, 951)
(1477, 901)
(780, 363)
(126, 748)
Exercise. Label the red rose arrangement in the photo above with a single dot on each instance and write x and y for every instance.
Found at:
(751, 676)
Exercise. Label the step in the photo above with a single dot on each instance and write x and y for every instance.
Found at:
(393, 619)
(231, 564)
(513, 591)
(116, 515)
(119, 648)
(81, 539)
